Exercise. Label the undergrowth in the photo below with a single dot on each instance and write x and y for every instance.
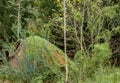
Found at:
(84, 68)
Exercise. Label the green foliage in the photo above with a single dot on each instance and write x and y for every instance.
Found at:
(116, 30)
(110, 11)
(110, 75)
(101, 52)
(88, 64)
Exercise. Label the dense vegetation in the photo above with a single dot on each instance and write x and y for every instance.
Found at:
(93, 41)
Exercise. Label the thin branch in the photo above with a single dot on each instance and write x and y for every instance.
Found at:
(18, 29)
(81, 28)
(66, 59)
